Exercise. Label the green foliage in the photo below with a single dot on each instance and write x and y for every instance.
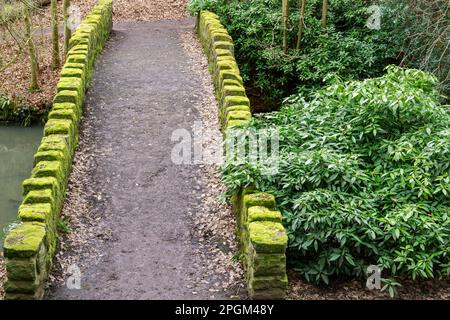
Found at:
(347, 49)
(17, 111)
(363, 177)
(10, 11)
(64, 226)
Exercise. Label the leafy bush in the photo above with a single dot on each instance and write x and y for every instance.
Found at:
(348, 49)
(17, 111)
(363, 177)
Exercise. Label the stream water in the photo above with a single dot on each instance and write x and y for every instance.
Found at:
(17, 147)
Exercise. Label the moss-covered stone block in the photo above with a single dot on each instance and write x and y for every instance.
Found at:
(226, 65)
(24, 240)
(236, 123)
(43, 183)
(229, 101)
(40, 196)
(228, 75)
(234, 108)
(71, 84)
(233, 90)
(68, 106)
(53, 169)
(223, 45)
(266, 264)
(22, 269)
(16, 286)
(238, 115)
(73, 73)
(267, 237)
(219, 52)
(56, 142)
(68, 96)
(49, 155)
(267, 283)
(78, 39)
(37, 212)
(78, 58)
(21, 296)
(259, 199)
(79, 47)
(80, 66)
(65, 114)
(259, 213)
(267, 294)
(60, 126)
(221, 37)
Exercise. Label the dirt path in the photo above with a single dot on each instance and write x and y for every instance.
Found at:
(142, 91)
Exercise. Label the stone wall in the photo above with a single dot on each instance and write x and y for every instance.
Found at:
(30, 246)
(262, 236)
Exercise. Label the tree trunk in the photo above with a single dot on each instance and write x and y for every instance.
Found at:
(67, 31)
(301, 19)
(285, 5)
(31, 48)
(55, 35)
(324, 13)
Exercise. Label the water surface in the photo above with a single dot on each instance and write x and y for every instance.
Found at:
(17, 147)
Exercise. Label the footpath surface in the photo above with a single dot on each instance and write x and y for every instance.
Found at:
(141, 92)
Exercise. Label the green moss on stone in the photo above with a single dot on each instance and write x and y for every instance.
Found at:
(266, 264)
(37, 212)
(236, 123)
(68, 96)
(235, 108)
(238, 115)
(49, 169)
(70, 84)
(49, 155)
(228, 75)
(229, 101)
(66, 114)
(78, 58)
(24, 240)
(68, 106)
(59, 126)
(259, 199)
(259, 213)
(15, 286)
(218, 52)
(40, 196)
(43, 183)
(22, 269)
(267, 237)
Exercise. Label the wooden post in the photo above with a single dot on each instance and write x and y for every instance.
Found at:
(31, 48)
(67, 31)
(301, 19)
(285, 5)
(55, 35)
(324, 13)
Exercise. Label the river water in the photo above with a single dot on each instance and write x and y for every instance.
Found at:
(17, 147)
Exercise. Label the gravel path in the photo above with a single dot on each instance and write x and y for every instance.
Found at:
(143, 227)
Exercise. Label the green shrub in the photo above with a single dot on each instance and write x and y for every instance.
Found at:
(348, 49)
(363, 177)
(17, 111)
